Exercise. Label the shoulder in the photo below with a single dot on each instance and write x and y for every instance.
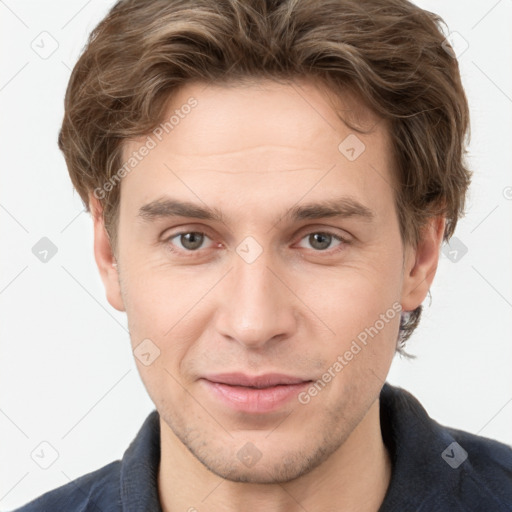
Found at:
(94, 492)
(437, 467)
(129, 482)
(490, 462)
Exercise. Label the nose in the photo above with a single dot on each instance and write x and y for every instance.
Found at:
(256, 308)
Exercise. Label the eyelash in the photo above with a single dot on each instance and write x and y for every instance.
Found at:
(188, 253)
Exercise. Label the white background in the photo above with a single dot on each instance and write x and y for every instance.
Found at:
(67, 372)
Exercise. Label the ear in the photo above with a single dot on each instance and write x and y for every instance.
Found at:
(421, 264)
(104, 256)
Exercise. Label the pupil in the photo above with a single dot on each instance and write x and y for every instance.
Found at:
(192, 240)
(320, 240)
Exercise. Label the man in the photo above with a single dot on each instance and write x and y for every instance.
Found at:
(270, 184)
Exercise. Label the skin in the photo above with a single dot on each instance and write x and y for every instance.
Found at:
(253, 152)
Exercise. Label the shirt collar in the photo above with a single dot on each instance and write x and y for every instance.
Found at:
(139, 469)
(415, 443)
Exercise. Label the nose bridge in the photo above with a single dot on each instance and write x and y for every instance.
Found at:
(256, 308)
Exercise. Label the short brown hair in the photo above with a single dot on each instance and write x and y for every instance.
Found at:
(391, 53)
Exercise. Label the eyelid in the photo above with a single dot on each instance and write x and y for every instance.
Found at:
(335, 232)
(184, 229)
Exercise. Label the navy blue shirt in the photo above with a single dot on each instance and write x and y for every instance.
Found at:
(435, 469)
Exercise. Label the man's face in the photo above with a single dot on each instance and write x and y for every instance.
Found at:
(267, 288)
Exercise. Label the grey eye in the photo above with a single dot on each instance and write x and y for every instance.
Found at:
(320, 241)
(191, 241)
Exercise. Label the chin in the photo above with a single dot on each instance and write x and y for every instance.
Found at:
(279, 468)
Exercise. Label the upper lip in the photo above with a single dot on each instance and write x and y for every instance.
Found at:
(257, 381)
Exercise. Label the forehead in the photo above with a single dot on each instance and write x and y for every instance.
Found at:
(264, 139)
(260, 113)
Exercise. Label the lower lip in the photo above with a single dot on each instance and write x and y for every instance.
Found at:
(254, 400)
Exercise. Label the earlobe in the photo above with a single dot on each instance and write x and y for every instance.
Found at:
(421, 264)
(104, 256)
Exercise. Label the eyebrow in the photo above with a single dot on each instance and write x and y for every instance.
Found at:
(342, 207)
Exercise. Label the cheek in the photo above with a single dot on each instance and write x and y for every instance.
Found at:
(350, 298)
(360, 310)
(158, 297)
(358, 355)
(168, 307)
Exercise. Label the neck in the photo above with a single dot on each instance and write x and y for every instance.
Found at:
(354, 478)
